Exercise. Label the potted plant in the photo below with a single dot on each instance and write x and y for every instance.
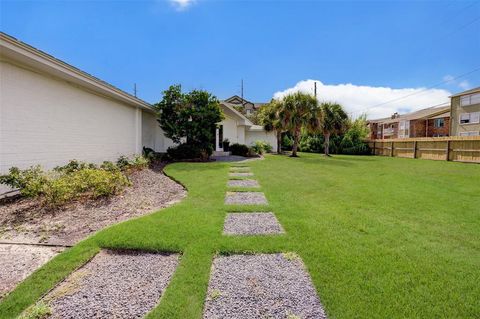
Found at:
(226, 145)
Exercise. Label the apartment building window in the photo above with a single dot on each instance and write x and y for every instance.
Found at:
(470, 118)
(473, 133)
(404, 129)
(470, 99)
(439, 123)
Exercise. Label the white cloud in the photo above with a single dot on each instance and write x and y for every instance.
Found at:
(450, 80)
(357, 99)
(181, 5)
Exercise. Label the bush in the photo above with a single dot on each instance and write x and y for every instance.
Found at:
(137, 162)
(261, 147)
(239, 149)
(312, 144)
(73, 166)
(188, 152)
(287, 142)
(30, 181)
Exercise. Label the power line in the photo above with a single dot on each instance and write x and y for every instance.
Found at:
(420, 91)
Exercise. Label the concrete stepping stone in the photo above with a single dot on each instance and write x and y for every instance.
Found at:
(243, 183)
(261, 286)
(239, 169)
(240, 174)
(17, 262)
(245, 198)
(251, 224)
(114, 284)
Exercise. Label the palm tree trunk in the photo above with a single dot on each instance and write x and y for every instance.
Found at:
(296, 137)
(326, 144)
(279, 142)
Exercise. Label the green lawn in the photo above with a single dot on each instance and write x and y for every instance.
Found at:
(381, 237)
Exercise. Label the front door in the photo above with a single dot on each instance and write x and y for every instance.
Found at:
(219, 138)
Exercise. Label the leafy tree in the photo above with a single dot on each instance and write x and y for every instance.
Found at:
(299, 111)
(271, 117)
(193, 116)
(353, 141)
(334, 120)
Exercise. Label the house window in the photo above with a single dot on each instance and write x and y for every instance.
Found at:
(439, 123)
(470, 99)
(473, 133)
(249, 112)
(470, 118)
(404, 129)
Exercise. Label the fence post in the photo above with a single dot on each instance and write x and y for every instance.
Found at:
(448, 151)
(374, 149)
(415, 149)
(391, 149)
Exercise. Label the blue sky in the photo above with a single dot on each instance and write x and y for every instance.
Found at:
(362, 53)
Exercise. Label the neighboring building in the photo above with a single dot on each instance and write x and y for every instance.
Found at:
(429, 122)
(246, 107)
(466, 113)
(52, 112)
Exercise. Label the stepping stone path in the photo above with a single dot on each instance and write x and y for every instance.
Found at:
(251, 224)
(114, 285)
(240, 174)
(245, 198)
(243, 183)
(261, 286)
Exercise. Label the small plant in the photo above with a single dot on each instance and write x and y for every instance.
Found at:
(215, 294)
(73, 166)
(122, 162)
(30, 181)
(290, 256)
(109, 166)
(40, 310)
(261, 147)
(226, 145)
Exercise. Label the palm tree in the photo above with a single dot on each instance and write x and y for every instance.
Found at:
(271, 117)
(299, 110)
(334, 121)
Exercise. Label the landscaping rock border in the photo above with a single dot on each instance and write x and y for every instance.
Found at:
(251, 224)
(261, 286)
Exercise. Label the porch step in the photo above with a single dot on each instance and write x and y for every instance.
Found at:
(221, 153)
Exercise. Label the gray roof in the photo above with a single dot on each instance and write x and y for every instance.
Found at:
(474, 90)
(420, 114)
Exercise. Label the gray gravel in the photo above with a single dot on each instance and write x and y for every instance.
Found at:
(240, 174)
(243, 183)
(261, 286)
(245, 198)
(17, 262)
(114, 285)
(251, 224)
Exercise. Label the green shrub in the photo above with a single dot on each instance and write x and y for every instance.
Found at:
(287, 142)
(137, 162)
(30, 181)
(122, 162)
(73, 166)
(109, 166)
(88, 182)
(40, 310)
(311, 143)
(261, 147)
(188, 151)
(239, 149)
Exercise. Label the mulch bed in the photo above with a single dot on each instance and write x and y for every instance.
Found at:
(114, 285)
(245, 198)
(261, 286)
(251, 224)
(243, 183)
(25, 220)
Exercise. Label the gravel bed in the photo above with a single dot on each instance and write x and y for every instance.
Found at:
(17, 262)
(243, 183)
(245, 198)
(25, 220)
(240, 174)
(236, 169)
(261, 286)
(114, 285)
(251, 224)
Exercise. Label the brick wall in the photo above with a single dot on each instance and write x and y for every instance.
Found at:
(439, 131)
(417, 128)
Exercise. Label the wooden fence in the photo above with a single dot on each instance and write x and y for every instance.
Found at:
(453, 148)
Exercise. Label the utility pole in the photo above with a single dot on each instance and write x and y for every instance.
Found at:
(315, 88)
(243, 100)
(135, 89)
